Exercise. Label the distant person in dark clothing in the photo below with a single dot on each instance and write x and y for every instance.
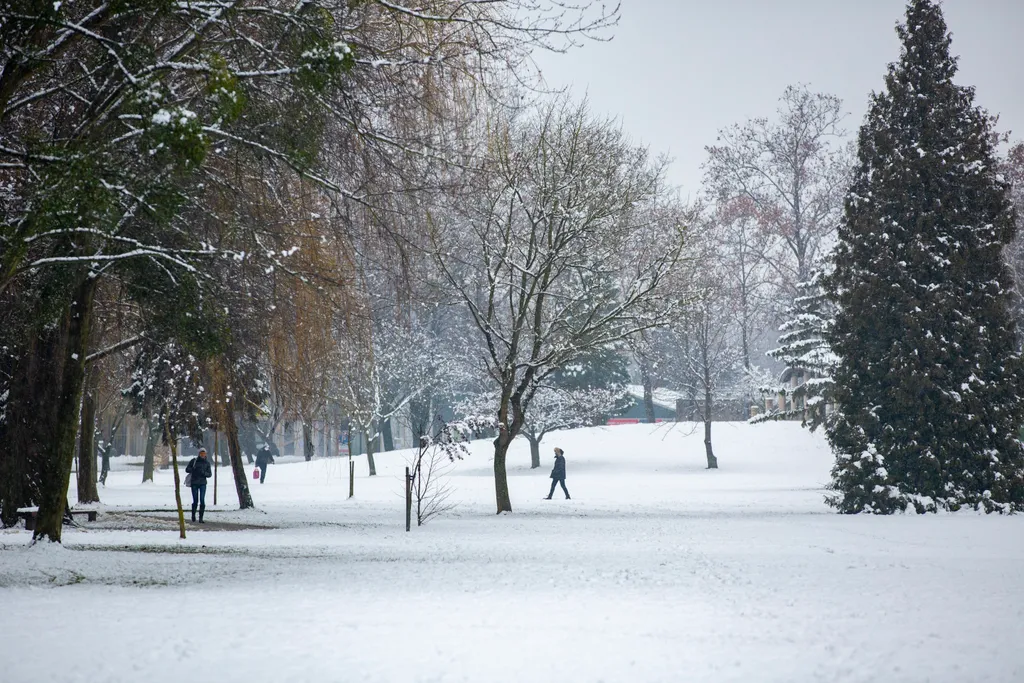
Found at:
(263, 458)
(199, 468)
(558, 474)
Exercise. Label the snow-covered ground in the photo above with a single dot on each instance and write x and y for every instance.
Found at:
(656, 570)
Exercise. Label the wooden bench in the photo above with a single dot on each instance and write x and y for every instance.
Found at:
(30, 514)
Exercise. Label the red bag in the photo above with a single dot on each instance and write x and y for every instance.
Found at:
(256, 473)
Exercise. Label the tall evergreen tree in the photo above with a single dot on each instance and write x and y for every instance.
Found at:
(928, 384)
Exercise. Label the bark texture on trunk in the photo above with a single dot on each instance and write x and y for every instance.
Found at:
(152, 434)
(534, 450)
(58, 452)
(369, 454)
(387, 436)
(712, 460)
(238, 468)
(500, 476)
(508, 429)
(34, 391)
(87, 492)
(708, 403)
(116, 423)
(15, 485)
(308, 449)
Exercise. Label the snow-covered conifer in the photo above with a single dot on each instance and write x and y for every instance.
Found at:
(928, 382)
(805, 352)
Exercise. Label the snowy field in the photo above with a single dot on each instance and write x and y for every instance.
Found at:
(656, 570)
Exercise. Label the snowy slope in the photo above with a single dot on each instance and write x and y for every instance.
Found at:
(657, 570)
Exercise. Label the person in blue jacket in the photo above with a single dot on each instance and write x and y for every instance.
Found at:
(558, 474)
(200, 470)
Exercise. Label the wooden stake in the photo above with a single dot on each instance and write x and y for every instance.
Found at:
(408, 500)
(216, 461)
(351, 477)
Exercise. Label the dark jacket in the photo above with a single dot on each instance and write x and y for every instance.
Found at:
(264, 458)
(200, 470)
(558, 472)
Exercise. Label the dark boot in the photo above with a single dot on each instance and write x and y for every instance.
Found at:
(193, 513)
(201, 511)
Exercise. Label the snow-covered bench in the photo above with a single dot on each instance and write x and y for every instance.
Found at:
(30, 514)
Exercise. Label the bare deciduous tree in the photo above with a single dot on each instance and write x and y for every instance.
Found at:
(793, 171)
(559, 249)
(743, 258)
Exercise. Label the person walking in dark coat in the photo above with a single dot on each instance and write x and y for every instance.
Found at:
(199, 468)
(558, 474)
(263, 458)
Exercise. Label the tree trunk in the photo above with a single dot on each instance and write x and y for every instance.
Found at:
(534, 450)
(507, 431)
(173, 442)
(369, 454)
(712, 460)
(59, 449)
(152, 434)
(648, 381)
(238, 469)
(34, 391)
(500, 476)
(108, 446)
(307, 441)
(15, 484)
(387, 436)
(87, 492)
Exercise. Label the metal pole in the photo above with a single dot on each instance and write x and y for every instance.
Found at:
(351, 476)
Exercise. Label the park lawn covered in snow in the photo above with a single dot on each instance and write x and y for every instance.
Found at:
(656, 570)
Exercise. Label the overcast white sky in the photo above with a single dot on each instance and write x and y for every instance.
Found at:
(678, 70)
